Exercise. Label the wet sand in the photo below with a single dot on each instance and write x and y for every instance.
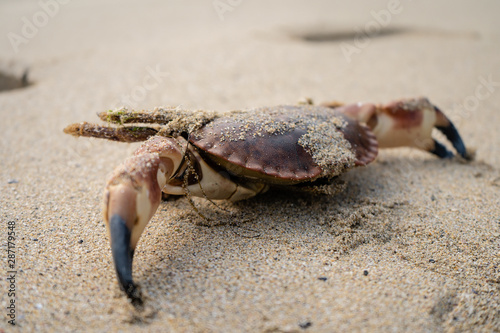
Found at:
(412, 244)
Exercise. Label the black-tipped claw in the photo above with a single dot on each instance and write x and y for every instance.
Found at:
(122, 256)
(453, 136)
(441, 151)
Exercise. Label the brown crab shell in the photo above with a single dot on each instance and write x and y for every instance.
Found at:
(267, 144)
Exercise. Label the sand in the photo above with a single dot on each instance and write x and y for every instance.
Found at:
(411, 245)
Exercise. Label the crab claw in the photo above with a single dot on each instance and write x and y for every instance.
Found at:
(131, 198)
(408, 122)
(445, 126)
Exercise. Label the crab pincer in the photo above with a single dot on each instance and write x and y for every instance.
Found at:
(407, 122)
(237, 155)
(131, 198)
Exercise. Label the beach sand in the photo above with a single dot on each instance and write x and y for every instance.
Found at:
(413, 244)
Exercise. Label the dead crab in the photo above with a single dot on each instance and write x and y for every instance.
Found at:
(239, 154)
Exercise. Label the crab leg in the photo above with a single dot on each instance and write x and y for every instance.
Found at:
(123, 134)
(125, 116)
(407, 122)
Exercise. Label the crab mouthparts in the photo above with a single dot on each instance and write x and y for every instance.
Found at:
(122, 256)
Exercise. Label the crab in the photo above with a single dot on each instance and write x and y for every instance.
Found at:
(237, 155)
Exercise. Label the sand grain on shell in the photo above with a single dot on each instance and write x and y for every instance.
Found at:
(322, 128)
